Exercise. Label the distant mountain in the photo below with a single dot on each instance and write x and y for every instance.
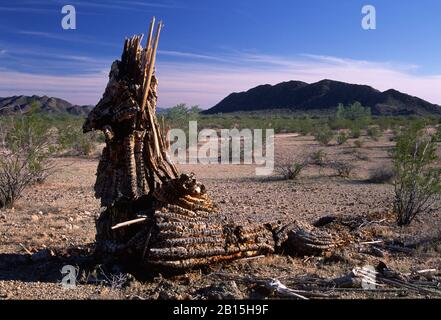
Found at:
(11, 105)
(323, 95)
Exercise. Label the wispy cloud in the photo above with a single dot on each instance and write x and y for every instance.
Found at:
(181, 54)
(170, 5)
(123, 5)
(65, 37)
(36, 60)
(207, 83)
(204, 79)
(25, 9)
(81, 89)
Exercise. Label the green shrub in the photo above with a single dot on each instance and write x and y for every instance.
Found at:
(324, 135)
(291, 171)
(342, 168)
(342, 138)
(438, 134)
(417, 182)
(73, 140)
(353, 112)
(25, 156)
(355, 132)
(358, 143)
(305, 126)
(374, 133)
(318, 157)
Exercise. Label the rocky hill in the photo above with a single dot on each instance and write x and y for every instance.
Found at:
(323, 95)
(11, 105)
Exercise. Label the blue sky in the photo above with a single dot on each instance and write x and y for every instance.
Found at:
(211, 48)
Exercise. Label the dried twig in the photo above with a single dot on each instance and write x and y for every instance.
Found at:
(127, 223)
(25, 249)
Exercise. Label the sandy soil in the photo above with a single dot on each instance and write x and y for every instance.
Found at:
(53, 225)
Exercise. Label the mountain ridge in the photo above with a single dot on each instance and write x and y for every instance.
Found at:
(323, 95)
(22, 103)
(45, 104)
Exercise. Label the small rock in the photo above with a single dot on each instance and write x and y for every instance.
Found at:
(34, 217)
(224, 290)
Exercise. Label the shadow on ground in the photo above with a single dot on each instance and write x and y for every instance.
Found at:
(45, 265)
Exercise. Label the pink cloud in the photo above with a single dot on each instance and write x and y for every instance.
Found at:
(78, 89)
(207, 80)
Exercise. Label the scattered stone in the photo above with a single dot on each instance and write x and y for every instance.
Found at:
(221, 291)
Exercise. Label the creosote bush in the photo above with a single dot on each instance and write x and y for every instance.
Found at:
(438, 134)
(75, 142)
(342, 137)
(324, 135)
(343, 169)
(318, 158)
(24, 156)
(358, 143)
(355, 132)
(374, 133)
(417, 182)
(291, 168)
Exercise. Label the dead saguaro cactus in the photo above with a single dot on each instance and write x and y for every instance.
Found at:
(152, 213)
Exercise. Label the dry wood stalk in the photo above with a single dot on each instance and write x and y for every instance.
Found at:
(135, 177)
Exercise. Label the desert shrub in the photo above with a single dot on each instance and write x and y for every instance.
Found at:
(438, 134)
(417, 182)
(25, 157)
(291, 171)
(178, 116)
(305, 126)
(318, 157)
(355, 112)
(358, 143)
(343, 169)
(342, 137)
(355, 132)
(291, 167)
(383, 174)
(324, 135)
(374, 133)
(362, 156)
(72, 140)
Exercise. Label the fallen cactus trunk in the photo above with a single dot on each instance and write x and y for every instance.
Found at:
(154, 214)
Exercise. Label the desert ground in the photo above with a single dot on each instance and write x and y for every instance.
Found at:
(54, 225)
